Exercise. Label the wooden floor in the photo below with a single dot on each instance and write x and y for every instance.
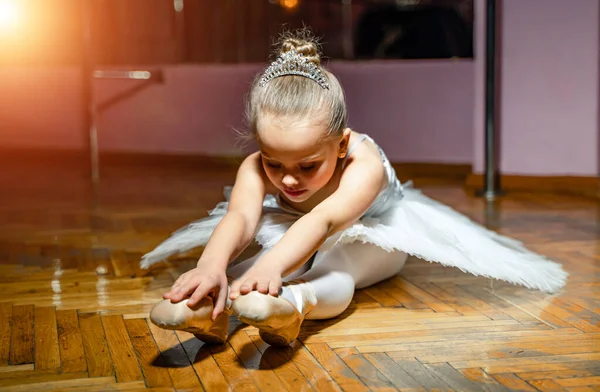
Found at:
(74, 303)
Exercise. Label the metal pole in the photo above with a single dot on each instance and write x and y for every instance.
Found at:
(491, 185)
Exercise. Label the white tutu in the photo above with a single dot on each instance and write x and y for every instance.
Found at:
(414, 224)
(401, 218)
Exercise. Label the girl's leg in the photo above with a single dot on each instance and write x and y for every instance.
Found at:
(339, 271)
(323, 292)
(240, 268)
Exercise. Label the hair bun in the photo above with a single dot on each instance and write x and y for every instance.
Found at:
(303, 42)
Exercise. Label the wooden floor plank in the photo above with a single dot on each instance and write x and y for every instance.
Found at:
(420, 295)
(453, 377)
(147, 354)
(362, 300)
(567, 358)
(238, 378)
(261, 372)
(484, 381)
(557, 312)
(579, 381)
(5, 330)
(371, 342)
(48, 381)
(70, 341)
(404, 299)
(174, 358)
(582, 389)
(282, 363)
(97, 356)
(459, 295)
(541, 366)
(498, 303)
(365, 370)
(16, 368)
(382, 297)
(581, 371)
(513, 382)
(127, 367)
(206, 368)
(134, 386)
(47, 353)
(398, 376)
(339, 371)
(22, 335)
(547, 385)
(310, 368)
(120, 264)
(422, 375)
(473, 351)
(447, 298)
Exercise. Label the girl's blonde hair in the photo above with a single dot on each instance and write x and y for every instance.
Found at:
(295, 96)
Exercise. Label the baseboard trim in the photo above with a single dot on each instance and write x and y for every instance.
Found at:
(577, 185)
(451, 171)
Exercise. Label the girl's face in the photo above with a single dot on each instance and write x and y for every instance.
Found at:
(298, 156)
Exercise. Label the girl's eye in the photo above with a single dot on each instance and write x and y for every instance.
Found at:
(273, 165)
(308, 167)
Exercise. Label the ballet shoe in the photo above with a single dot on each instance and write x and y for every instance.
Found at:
(197, 321)
(277, 319)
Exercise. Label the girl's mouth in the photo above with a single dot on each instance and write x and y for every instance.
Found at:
(294, 193)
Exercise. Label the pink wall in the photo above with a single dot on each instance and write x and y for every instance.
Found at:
(548, 86)
(420, 111)
(40, 107)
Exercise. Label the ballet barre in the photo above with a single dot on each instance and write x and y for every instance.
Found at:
(90, 109)
(146, 78)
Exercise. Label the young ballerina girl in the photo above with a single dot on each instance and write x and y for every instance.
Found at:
(331, 216)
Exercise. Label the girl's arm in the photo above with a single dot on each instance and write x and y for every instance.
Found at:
(231, 236)
(359, 186)
(237, 228)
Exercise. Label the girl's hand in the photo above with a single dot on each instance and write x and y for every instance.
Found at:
(201, 282)
(260, 279)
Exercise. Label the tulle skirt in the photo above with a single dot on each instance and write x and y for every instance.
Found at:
(414, 224)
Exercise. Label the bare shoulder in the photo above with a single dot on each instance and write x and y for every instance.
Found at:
(251, 177)
(365, 160)
(251, 164)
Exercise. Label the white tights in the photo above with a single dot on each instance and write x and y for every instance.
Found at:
(336, 273)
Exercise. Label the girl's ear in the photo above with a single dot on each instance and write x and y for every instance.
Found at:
(344, 142)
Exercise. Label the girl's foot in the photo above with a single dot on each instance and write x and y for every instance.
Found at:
(277, 319)
(178, 316)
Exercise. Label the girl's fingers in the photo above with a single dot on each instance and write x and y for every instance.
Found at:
(220, 302)
(263, 287)
(201, 291)
(274, 288)
(183, 291)
(247, 286)
(234, 291)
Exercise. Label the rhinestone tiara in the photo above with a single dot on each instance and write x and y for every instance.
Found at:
(293, 63)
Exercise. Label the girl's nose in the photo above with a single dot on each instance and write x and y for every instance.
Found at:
(289, 181)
